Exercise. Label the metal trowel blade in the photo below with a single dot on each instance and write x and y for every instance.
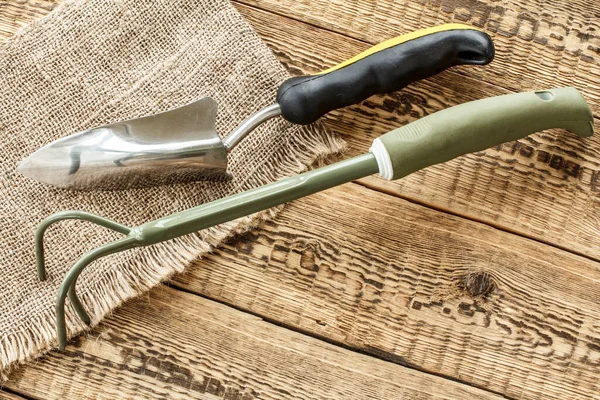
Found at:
(179, 145)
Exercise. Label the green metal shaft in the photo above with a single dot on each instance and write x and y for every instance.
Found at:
(205, 216)
(251, 201)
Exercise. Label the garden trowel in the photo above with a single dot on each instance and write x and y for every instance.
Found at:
(182, 144)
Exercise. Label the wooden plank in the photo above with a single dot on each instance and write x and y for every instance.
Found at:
(178, 345)
(420, 288)
(554, 41)
(9, 396)
(531, 186)
(16, 14)
(421, 385)
(72, 383)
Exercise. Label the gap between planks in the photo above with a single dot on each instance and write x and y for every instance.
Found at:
(202, 340)
(7, 394)
(306, 332)
(445, 210)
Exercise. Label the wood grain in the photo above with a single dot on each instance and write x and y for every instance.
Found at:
(546, 186)
(179, 346)
(414, 286)
(9, 396)
(15, 14)
(419, 288)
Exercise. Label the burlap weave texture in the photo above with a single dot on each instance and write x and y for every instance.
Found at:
(94, 62)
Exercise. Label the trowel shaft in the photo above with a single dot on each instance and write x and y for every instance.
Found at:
(249, 124)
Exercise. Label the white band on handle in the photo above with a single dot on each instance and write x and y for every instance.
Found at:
(383, 159)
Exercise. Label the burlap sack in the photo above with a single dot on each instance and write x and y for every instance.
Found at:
(92, 62)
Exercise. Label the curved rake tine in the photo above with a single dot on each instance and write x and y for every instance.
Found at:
(39, 246)
(63, 215)
(68, 284)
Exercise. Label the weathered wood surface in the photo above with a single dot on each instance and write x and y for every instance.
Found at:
(546, 186)
(180, 346)
(408, 284)
(15, 14)
(9, 396)
(421, 288)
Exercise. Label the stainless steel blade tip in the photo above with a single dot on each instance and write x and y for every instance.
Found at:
(173, 146)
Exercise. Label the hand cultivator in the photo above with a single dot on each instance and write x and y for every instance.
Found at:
(431, 140)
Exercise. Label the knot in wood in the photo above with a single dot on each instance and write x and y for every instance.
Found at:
(478, 283)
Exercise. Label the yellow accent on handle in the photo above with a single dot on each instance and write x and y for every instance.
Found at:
(396, 41)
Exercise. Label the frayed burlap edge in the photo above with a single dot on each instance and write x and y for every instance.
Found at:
(160, 266)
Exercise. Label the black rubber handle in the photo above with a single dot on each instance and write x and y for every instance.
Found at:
(385, 68)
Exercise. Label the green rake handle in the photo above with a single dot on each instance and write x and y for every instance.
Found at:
(436, 138)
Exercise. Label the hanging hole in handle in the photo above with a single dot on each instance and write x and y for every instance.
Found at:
(544, 95)
(472, 57)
